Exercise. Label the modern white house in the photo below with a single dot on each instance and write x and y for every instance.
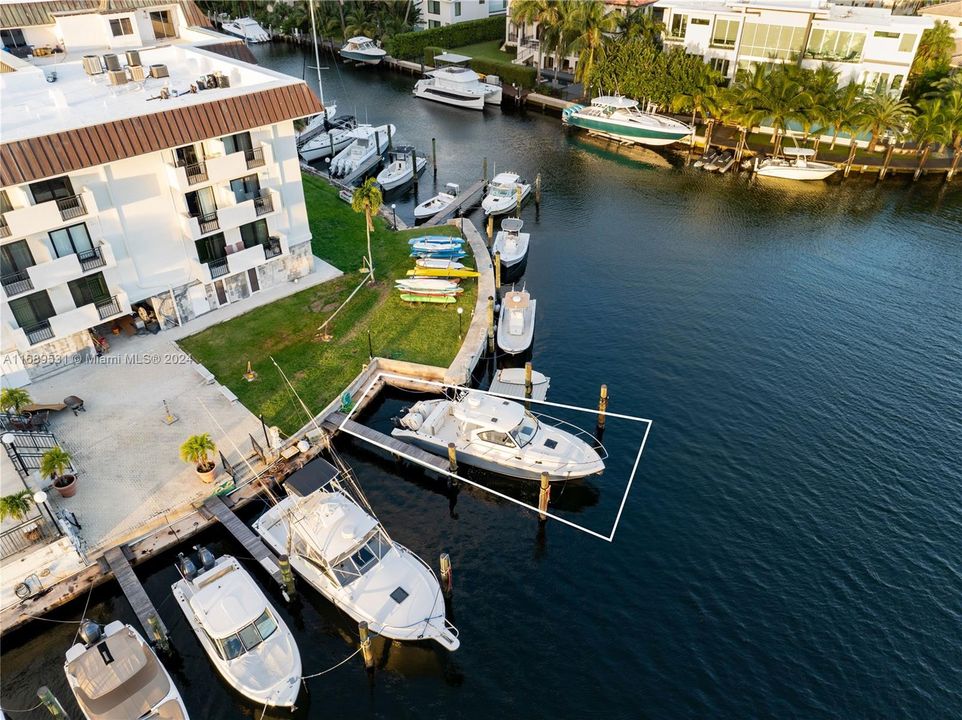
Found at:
(437, 13)
(869, 45)
(140, 184)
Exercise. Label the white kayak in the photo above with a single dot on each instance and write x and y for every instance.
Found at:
(436, 247)
(426, 284)
(437, 239)
(439, 264)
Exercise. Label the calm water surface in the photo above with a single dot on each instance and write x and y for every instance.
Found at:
(791, 544)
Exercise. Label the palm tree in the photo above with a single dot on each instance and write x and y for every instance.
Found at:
(845, 112)
(928, 127)
(13, 399)
(952, 121)
(778, 102)
(532, 12)
(935, 49)
(590, 24)
(359, 22)
(640, 23)
(701, 99)
(197, 449)
(16, 506)
(557, 33)
(882, 114)
(367, 199)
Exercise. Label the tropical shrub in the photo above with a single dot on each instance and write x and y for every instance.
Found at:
(411, 45)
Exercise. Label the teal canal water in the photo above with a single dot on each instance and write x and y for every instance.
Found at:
(790, 547)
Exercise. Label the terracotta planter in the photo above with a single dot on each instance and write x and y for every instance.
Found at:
(68, 488)
(208, 475)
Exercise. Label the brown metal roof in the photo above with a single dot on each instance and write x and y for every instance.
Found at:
(41, 157)
(236, 49)
(27, 14)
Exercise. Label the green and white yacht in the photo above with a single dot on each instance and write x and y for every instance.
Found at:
(619, 118)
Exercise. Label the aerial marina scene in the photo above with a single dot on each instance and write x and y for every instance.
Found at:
(570, 358)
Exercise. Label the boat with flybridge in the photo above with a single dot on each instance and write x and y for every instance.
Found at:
(620, 118)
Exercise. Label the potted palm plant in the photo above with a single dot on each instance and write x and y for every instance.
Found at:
(197, 449)
(55, 464)
(13, 399)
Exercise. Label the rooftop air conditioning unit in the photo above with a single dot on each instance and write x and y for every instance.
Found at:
(92, 66)
(133, 57)
(222, 80)
(159, 71)
(111, 62)
(117, 77)
(137, 73)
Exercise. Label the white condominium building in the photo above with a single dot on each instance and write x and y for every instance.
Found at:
(867, 45)
(142, 183)
(436, 13)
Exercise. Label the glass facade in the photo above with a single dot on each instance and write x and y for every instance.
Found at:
(835, 45)
(780, 42)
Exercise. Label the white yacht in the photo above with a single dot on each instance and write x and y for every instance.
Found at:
(114, 674)
(499, 435)
(242, 634)
(795, 165)
(618, 117)
(516, 322)
(326, 140)
(246, 28)
(362, 154)
(347, 556)
(432, 206)
(400, 168)
(363, 50)
(453, 83)
(503, 194)
(511, 242)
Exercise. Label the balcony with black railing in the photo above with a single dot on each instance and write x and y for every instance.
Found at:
(108, 307)
(218, 268)
(4, 228)
(208, 222)
(272, 248)
(38, 332)
(263, 203)
(16, 283)
(195, 172)
(71, 207)
(255, 158)
(91, 259)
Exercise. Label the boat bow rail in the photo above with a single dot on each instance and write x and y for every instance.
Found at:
(569, 111)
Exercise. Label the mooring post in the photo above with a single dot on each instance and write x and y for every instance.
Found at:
(447, 576)
(366, 650)
(484, 169)
(434, 156)
(528, 385)
(490, 229)
(390, 141)
(517, 194)
(49, 701)
(287, 576)
(158, 633)
(602, 406)
(330, 138)
(544, 495)
(490, 324)
(497, 272)
(414, 167)
(377, 141)
(537, 191)
(452, 458)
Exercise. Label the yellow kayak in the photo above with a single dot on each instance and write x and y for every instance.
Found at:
(443, 272)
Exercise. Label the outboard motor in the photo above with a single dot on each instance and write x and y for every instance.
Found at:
(186, 566)
(206, 557)
(90, 632)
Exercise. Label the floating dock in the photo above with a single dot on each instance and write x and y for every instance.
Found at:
(116, 559)
(216, 506)
(510, 382)
(333, 424)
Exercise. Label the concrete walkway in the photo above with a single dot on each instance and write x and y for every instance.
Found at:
(459, 372)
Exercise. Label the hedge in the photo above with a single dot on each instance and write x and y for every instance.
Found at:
(411, 45)
(508, 72)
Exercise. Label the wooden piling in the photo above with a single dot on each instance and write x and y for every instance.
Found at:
(330, 138)
(287, 576)
(390, 140)
(544, 495)
(497, 271)
(414, 165)
(49, 701)
(434, 156)
(490, 229)
(158, 633)
(537, 191)
(490, 324)
(484, 169)
(452, 458)
(528, 384)
(517, 192)
(366, 650)
(447, 575)
(602, 406)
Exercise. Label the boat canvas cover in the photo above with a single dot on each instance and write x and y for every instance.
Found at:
(517, 301)
(798, 152)
(490, 412)
(310, 478)
(228, 603)
(334, 524)
(504, 179)
(452, 58)
(615, 101)
(512, 225)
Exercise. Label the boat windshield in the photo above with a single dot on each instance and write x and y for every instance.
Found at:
(525, 432)
(362, 559)
(503, 191)
(247, 638)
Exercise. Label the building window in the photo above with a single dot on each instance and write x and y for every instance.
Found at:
(245, 188)
(13, 38)
(161, 23)
(875, 82)
(907, 43)
(457, 9)
(835, 45)
(201, 202)
(5, 205)
(32, 310)
(434, 23)
(897, 81)
(71, 240)
(15, 258)
(700, 21)
(121, 26)
(90, 289)
(238, 142)
(434, 7)
(721, 65)
(254, 233)
(211, 248)
(882, 34)
(779, 42)
(725, 33)
(679, 24)
(53, 189)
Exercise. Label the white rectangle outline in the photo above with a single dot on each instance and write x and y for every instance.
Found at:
(610, 538)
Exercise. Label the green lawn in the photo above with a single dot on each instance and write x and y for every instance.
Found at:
(488, 50)
(287, 329)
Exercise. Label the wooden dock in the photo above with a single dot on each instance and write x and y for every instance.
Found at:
(333, 423)
(462, 200)
(243, 534)
(116, 558)
(539, 390)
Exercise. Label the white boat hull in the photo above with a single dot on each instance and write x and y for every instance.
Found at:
(792, 172)
(427, 90)
(391, 180)
(320, 146)
(367, 58)
(430, 208)
(501, 205)
(515, 344)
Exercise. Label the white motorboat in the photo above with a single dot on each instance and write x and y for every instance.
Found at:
(511, 242)
(503, 194)
(795, 165)
(246, 28)
(362, 154)
(499, 435)
(347, 556)
(114, 674)
(400, 169)
(431, 207)
(326, 141)
(516, 322)
(453, 83)
(242, 634)
(363, 50)
(618, 117)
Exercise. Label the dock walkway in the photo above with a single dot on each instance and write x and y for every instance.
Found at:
(116, 558)
(243, 534)
(460, 201)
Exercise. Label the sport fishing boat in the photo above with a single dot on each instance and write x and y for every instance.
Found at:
(511, 242)
(362, 154)
(795, 165)
(113, 674)
(431, 207)
(619, 118)
(400, 169)
(242, 634)
(246, 28)
(499, 435)
(341, 550)
(453, 83)
(363, 50)
(503, 194)
(326, 140)
(516, 322)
